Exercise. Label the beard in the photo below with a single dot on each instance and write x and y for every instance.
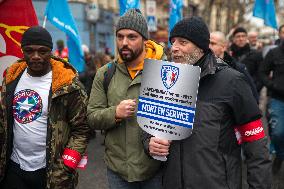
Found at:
(190, 58)
(132, 55)
(193, 57)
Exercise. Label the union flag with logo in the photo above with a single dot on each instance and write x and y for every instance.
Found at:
(16, 16)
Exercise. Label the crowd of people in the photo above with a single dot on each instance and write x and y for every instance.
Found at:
(48, 111)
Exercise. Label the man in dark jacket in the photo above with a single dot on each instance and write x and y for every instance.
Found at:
(218, 46)
(227, 118)
(243, 53)
(280, 34)
(43, 122)
(274, 62)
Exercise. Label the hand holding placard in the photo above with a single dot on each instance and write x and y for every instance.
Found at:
(159, 148)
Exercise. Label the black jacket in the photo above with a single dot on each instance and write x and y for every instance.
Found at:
(251, 58)
(274, 61)
(242, 69)
(211, 157)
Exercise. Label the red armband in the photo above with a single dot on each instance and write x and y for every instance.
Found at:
(250, 132)
(71, 158)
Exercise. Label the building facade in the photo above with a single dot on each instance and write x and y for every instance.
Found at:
(96, 19)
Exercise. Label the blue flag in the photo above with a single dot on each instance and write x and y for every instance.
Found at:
(265, 9)
(124, 5)
(175, 13)
(58, 13)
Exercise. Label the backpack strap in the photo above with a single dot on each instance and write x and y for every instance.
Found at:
(111, 67)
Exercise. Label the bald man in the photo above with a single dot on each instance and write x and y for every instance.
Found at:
(218, 44)
(253, 40)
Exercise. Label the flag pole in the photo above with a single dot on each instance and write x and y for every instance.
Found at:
(44, 21)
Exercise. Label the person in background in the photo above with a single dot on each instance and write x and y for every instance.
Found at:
(43, 123)
(100, 59)
(218, 44)
(88, 75)
(273, 64)
(280, 35)
(92, 64)
(243, 53)
(253, 40)
(61, 50)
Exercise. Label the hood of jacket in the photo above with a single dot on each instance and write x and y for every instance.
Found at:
(62, 72)
(153, 51)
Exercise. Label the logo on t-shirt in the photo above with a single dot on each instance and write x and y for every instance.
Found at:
(27, 106)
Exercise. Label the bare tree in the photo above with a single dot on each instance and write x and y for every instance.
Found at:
(233, 10)
(206, 12)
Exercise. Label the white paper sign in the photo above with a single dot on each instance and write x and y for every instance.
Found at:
(167, 100)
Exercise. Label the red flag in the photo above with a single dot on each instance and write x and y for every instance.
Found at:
(16, 16)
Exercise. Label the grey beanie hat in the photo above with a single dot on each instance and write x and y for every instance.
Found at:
(134, 20)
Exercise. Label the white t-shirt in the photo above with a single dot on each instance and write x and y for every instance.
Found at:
(30, 109)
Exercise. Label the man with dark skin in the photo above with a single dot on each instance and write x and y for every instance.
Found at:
(43, 129)
(37, 57)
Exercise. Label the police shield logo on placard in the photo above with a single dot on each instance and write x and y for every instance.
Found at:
(169, 75)
(167, 99)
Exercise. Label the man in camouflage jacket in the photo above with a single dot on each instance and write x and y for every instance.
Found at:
(66, 127)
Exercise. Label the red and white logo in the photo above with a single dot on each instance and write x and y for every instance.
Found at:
(71, 158)
(254, 131)
(249, 132)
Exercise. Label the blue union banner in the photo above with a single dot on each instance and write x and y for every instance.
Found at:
(167, 99)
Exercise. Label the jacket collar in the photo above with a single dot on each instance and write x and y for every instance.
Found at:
(153, 51)
(62, 73)
(229, 60)
(239, 51)
(209, 64)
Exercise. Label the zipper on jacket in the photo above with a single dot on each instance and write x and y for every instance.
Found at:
(48, 139)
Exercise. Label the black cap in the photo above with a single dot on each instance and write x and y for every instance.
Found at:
(193, 29)
(37, 35)
(239, 30)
